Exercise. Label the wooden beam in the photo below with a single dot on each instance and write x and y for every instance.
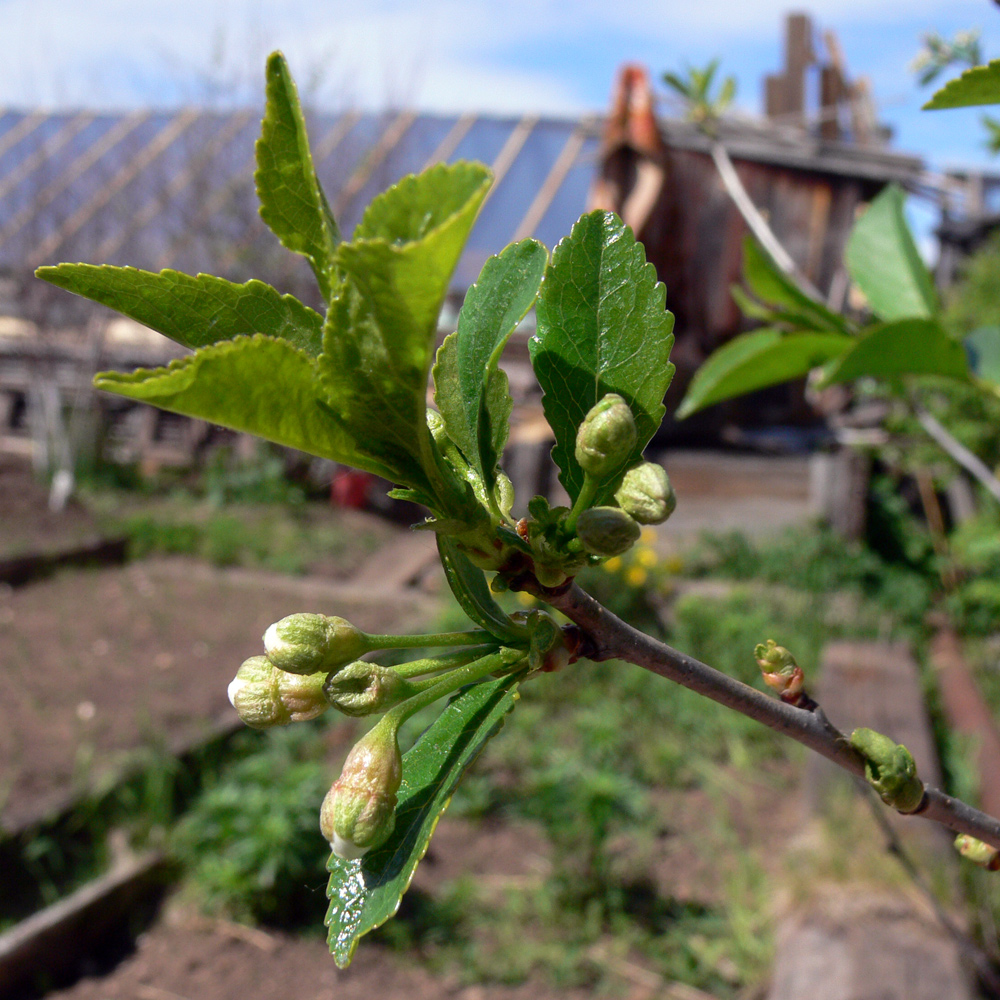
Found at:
(449, 144)
(388, 141)
(177, 183)
(17, 132)
(46, 151)
(76, 169)
(157, 145)
(546, 193)
(509, 151)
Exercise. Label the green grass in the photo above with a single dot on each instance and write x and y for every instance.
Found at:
(284, 538)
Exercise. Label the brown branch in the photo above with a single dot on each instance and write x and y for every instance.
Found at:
(611, 638)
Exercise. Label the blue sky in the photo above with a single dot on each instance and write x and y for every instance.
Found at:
(489, 55)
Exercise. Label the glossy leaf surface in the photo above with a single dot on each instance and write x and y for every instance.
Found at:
(292, 202)
(979, 85)
(254, 384)
(906, 347)
(471, 390)
(602, 327)
(194, 311)
(365, 893)
(380, 329)
(884, 262)
(756, 360)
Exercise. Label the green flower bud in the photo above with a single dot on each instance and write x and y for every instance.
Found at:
(889, 769)
(363, 688)
(779, 669)
(984, 855)
(607, 531)
(308, 643)
(646, 494)
(606, 436)
(358, 812)
(265, 696)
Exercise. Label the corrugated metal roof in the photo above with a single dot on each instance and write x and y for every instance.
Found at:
(155, 189)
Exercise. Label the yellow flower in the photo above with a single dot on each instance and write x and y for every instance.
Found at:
(648, 536)
(636, 576)
(646, 557)
(613, 564)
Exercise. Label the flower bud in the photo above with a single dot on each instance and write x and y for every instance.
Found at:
(363, 688)
(308, 643)
(646, 494)
(265, 696)
(889, 769)
(358, 812)
(606, 436)
(779, 669)
(607, 531)
(984, 855)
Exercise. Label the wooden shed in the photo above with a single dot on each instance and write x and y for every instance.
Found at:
(659, 175)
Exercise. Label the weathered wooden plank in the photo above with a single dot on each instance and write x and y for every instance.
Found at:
(855, 941)
(852, 944)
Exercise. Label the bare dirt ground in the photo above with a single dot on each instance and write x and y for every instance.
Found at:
(99, 663)
(188, 957)
(26, 523)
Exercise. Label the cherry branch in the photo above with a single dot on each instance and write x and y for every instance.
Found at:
(608, 637)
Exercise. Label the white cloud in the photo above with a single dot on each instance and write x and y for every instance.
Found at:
(440, 54)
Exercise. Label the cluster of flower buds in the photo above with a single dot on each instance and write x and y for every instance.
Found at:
(605, 441)
(311, 664)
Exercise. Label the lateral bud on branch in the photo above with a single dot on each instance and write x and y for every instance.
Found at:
(780, 671)
(607, 531)
(890, 769)
(977, 852)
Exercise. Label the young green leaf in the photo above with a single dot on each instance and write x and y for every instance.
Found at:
(756, 360)
(772, 286)
(415, 206)
(468, 584)
(979, 85)
(292, 202)
(381, 326)
(904, 347)
(884, 262)
(255, 384)
(470, 389)
(602, 327)
(194, 311)
(365, 893)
